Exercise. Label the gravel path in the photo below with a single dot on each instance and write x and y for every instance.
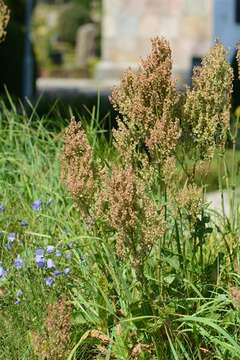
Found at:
(215, 200)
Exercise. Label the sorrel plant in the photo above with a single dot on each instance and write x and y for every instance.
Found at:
(161, 260)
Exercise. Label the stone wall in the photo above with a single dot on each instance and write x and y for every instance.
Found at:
(128, 26)
(225, 26)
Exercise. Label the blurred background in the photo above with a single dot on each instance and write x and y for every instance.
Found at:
(66, 51)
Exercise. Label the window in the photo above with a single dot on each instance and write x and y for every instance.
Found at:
(237, 11)
(196, 61)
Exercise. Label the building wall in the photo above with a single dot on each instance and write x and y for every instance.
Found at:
(225, 27)
(128, 26)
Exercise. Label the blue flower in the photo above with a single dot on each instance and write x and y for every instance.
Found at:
(40, 261)
(56, 272)
(2, 272)
(50, 264)
(2, 208)
(49, 280)
(18, 262)
(39, 252)
(23, 222)
(50, 249)
(36, 204)
(66, 270)
(11, 236)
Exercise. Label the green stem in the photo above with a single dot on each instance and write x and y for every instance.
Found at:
(180, 255)
(233, 172)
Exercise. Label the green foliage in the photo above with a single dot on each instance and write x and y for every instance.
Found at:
(179, 300)
(71, 17)
(87, 4)
(182, 310)
(161, 261)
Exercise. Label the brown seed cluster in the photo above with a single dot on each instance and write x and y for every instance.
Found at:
(78, 168)
(238, 60)
(132, 213)
(122, 198)
(234, 293)
(4, 19)
(159, 131)
(139, 349)
(147, 100)
(207, 108)
(190, 199)
(53, 344)
(164, 137)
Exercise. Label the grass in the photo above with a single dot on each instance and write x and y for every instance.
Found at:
(221, 169)
(29, 170)
(184, 310)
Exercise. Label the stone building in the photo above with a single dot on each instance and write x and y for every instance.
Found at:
(190, 26)
(226, 23)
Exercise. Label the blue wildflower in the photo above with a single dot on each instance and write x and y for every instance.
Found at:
(2, 272)
(18, 262)
(66, 270)
(11, 236)
(50, 264)
(39, 252)
(48, 280)
(23, 222)
(56, 272)
(50, 249)
(36, 204)
(2, 208)
(40, 261)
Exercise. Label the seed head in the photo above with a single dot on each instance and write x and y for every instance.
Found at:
(4, 19)
(53, 343)
(146, 101)
(190, 199)
(78, 170)
(207, 108)
(132, 213)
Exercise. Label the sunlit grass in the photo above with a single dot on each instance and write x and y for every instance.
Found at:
(196, 318)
